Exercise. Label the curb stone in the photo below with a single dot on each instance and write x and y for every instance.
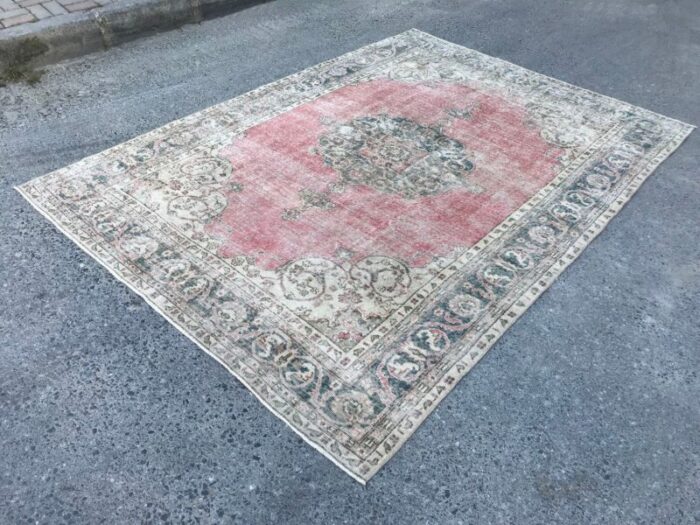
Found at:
(73, 35)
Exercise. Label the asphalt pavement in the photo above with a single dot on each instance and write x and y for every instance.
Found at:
(586, 411)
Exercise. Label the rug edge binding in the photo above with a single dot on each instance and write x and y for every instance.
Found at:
(558, 267)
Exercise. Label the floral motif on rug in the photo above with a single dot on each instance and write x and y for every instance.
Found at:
(350, 240)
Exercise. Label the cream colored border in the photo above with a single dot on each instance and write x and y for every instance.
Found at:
(478, 349)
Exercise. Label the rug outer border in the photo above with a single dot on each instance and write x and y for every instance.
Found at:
(470, 359)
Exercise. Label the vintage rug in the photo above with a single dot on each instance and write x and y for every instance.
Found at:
(350, 240)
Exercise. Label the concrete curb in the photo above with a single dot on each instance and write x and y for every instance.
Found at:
(73, 35)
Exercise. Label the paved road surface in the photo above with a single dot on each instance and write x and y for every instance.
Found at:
(585, 412)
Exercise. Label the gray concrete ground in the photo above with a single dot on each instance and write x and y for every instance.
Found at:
(586, 411)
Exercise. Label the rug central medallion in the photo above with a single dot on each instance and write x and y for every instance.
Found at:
(344, 207)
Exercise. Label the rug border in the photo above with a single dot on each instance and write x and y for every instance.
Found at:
(469, 360)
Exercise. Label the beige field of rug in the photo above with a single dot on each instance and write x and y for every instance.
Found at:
(350, 240)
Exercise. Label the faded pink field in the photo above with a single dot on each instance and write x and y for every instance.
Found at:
(277, 161)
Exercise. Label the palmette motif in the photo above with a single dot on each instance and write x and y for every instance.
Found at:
(350, 240)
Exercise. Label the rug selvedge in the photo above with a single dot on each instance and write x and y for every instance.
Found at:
(150, 211)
